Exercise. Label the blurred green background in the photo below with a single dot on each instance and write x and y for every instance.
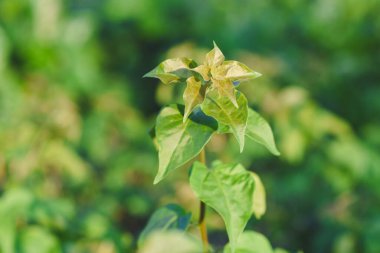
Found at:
(77, 164)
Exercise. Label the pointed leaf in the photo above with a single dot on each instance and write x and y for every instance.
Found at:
(215, 57)
(227, 188)
(222, 109)
(237, 71)
(259, 130)
(226, 89)
(191, 96)
(168, 217)
(259, 203)
(172, 70)
(251, 242)
(179, 141)
(204, 71)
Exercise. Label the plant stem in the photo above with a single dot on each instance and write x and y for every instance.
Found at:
(202, 211)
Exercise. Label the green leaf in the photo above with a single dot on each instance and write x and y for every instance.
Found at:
(237, 71)
(250, 242)
(172, 70)
(227, 188)
(171, 242)
(223, 110)
(37, 239)
(259, 203)
(168, 217)
(226, 89)
(259, 130)
(191, 96)
(178, 141)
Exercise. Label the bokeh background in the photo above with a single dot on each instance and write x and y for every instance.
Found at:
(76, 161)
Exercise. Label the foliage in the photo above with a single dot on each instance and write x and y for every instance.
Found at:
(76, 164)
(182, 134)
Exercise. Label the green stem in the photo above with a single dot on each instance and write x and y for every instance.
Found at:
(202, 212)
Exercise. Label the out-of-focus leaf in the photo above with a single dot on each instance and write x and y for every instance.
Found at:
(223, 110)
(259, 202)
(35, 239)
(14, 204)
(171, 70)
(250, 242)
(259, 130)
(166, 218)
(179, 141)
(171, 241)
(227, 188)
(191, 96)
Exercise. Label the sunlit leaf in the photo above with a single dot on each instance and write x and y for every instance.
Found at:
(223, 110)
(259, 202)
(168, 217)
(250, 242)
(191, 96)
(215, 57)
(172, 70)
(259, 130)
(204, 71)
(237, 71)
(180, 141)
(226, 89)
(227, 188)
(171, 241)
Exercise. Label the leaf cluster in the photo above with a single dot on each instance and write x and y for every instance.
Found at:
(212, 105)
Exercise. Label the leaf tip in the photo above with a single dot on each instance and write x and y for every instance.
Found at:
(157, 179)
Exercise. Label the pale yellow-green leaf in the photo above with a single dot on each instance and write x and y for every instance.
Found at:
(215, 57)
(237, 71)
(226, 88)
(222, 109)
(204, 71)
(260, 131)
(171, 242)
(165, 71)
(259, 203)
(191, 96)
(250, 242)
(179, 141)
(228, 189)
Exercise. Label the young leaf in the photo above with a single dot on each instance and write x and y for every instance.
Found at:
(227, 188)
(259, 203)
(226, 89)
(250, 242)
(179, 141)
(191, 96)
(168, 217)
(259, 130)
(215, 57)
(222, 109)
(237, 71)
(172, 70)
